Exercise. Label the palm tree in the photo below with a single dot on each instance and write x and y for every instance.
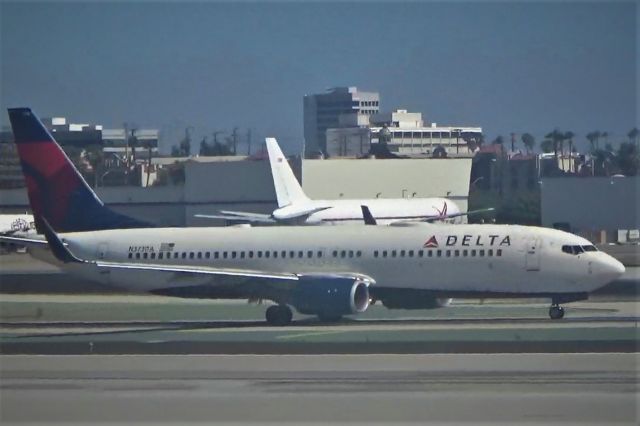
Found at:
(568, 136)
(546, 145)
(592, 137)
(633, 135)
(529, 141)
(556, 138)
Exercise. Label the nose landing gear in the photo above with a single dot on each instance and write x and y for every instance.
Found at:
(556, 312)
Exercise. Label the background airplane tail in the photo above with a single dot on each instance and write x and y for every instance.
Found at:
(288, 189)
(57, 191)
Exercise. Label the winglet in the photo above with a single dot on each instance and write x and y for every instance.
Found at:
(367, 216)
(56, 245)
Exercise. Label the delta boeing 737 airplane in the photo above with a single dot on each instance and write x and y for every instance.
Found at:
(327, 272)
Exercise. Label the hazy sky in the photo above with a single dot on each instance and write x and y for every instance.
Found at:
(505, 66)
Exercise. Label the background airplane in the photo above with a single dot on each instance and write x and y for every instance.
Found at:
(294, 207)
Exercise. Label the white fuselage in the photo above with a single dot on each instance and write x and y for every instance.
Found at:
(385, 211)
(500, 259)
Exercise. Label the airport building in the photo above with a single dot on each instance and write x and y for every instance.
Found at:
(339, 107)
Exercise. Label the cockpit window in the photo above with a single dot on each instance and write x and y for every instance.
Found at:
(576, 249)
(589, 248)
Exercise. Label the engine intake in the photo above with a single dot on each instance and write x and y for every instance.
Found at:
(330, 296)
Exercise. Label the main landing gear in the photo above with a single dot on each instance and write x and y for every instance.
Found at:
(279, 315)
(556, 311)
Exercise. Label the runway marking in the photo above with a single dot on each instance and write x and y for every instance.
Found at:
(312, 334)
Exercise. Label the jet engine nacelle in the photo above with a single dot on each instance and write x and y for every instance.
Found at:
(330, 296)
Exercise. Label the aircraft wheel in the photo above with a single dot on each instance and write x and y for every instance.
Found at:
(278, 315)
(556, 312)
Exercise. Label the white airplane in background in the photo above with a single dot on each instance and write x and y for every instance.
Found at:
(295, 208)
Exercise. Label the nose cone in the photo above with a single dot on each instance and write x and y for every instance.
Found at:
(610, 269)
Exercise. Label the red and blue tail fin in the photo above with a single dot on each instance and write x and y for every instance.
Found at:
(57, 191)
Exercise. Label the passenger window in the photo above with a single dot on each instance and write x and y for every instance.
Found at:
(275, 254)
(259, 253)
(267, 253)
(175, 255)
(481, 253)
(410, 253)
(430, 253)
(199, 255)
(251, 254)
(393, 253)
(292, 254)
(300, 254)
(233, 254)
(457, 253)
(490, 252)
(283, 254)
(358, 253)
(241, 255)
(499, 252)
(384, 253)
(310, 254)
(448, 253)
(375, 253)
(160, 255)
(153, 255)
(319, 253)
(184, 254)
(465, 253)
(439, 253)
(130, 255)
(350, 253)
(207, 255)
(216, 255)
(224, 254)
(402, 252)
(421, 253)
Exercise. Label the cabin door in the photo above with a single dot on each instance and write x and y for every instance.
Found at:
(532, 255)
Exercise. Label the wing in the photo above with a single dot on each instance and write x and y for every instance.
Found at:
(239, 216)
(24, 241)
(453, 215)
